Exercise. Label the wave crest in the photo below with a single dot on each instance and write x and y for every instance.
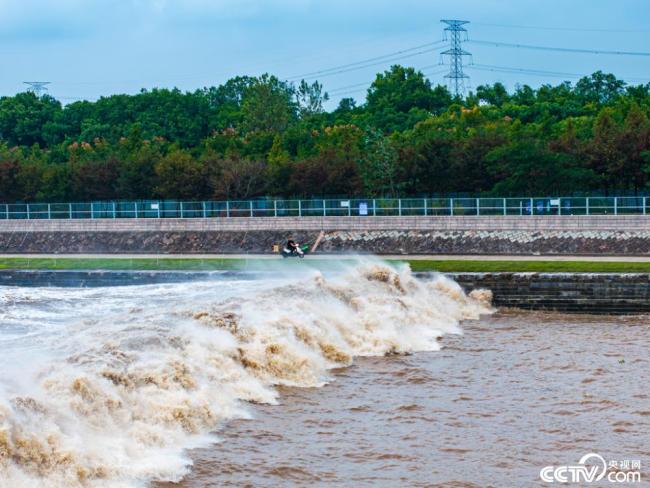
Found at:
(122, 410)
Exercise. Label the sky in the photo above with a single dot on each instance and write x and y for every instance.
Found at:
(93, 48)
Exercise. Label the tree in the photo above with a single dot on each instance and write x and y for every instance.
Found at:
(599, 88)
(10, 164)
(378, 165)
(401, 97)
(310, 98)
(346, 105)
(634, 142)
(95, 179)
(400, 89)
(333, 168)
(268, 105)
(180, 176)
(226, 102)
(495, 94)
(604, 154)
(260, 135)
(236, 178)
(527, 167)
(23, 119)
(278, 169)
(426, 157)
(137, 171)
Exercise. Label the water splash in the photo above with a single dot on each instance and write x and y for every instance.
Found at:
(114, 393)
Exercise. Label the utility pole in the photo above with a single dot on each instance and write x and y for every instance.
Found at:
(37, 87)
(456, 76)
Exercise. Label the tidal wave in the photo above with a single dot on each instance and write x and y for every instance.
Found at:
(111, 386)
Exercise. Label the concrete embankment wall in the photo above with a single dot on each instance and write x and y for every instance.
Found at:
(525, 235)
(597, 293)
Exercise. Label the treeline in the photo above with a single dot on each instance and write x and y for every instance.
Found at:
(258, 136)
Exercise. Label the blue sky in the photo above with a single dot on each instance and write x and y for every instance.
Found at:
(90, 48)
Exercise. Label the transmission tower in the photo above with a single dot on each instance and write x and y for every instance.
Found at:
(457, 34)
(37, 87)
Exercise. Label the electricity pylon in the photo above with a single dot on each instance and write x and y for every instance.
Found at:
(37, 87)
(456, 77)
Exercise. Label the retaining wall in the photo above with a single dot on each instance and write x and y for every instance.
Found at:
(632, 223)
(543, 235)
(597, 293)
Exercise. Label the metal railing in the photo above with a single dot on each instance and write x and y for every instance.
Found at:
(329, 208)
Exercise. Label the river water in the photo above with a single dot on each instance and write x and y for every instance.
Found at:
(360, 377)
(515, 393)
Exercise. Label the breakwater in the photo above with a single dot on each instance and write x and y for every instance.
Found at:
(515, 235)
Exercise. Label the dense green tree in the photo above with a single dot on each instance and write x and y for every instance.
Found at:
(333, 168)
(310, 98)
(426, 158)
(268, 105)
(10, 166)
(378, 165)
(527, 167)
(401, 97)
(495, 95)
(237, 178)
(180, 176)
(26, 119)
(599, 88)
(634, 143)
(226, 102)
(257, 136)
(605, 157)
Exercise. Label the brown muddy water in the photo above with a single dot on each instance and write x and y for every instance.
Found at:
(360, 376)
(517, 392)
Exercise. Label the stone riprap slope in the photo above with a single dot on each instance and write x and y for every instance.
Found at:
(490, 242)
(539, 235)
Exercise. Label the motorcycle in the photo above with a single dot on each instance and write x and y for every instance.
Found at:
(298, 252)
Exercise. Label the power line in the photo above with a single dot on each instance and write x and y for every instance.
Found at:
(537, 72)
(395, 56)
(208, 74)
(571, 29)
(343, 68)
(343, 90)
(367, 83)
(334, 91)
(379, 63)
(506, 69)
(560, 49)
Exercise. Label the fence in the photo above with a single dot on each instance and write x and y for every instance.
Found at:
(330, 207)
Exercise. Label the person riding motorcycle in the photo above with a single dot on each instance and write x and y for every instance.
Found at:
(293, 248)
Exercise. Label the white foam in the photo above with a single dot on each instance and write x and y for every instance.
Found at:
(109, 387)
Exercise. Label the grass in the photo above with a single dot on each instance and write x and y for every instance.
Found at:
(120, 264)
(532, 266)
(190, 264)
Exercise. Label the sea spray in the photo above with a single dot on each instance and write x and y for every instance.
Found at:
(127, 386)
